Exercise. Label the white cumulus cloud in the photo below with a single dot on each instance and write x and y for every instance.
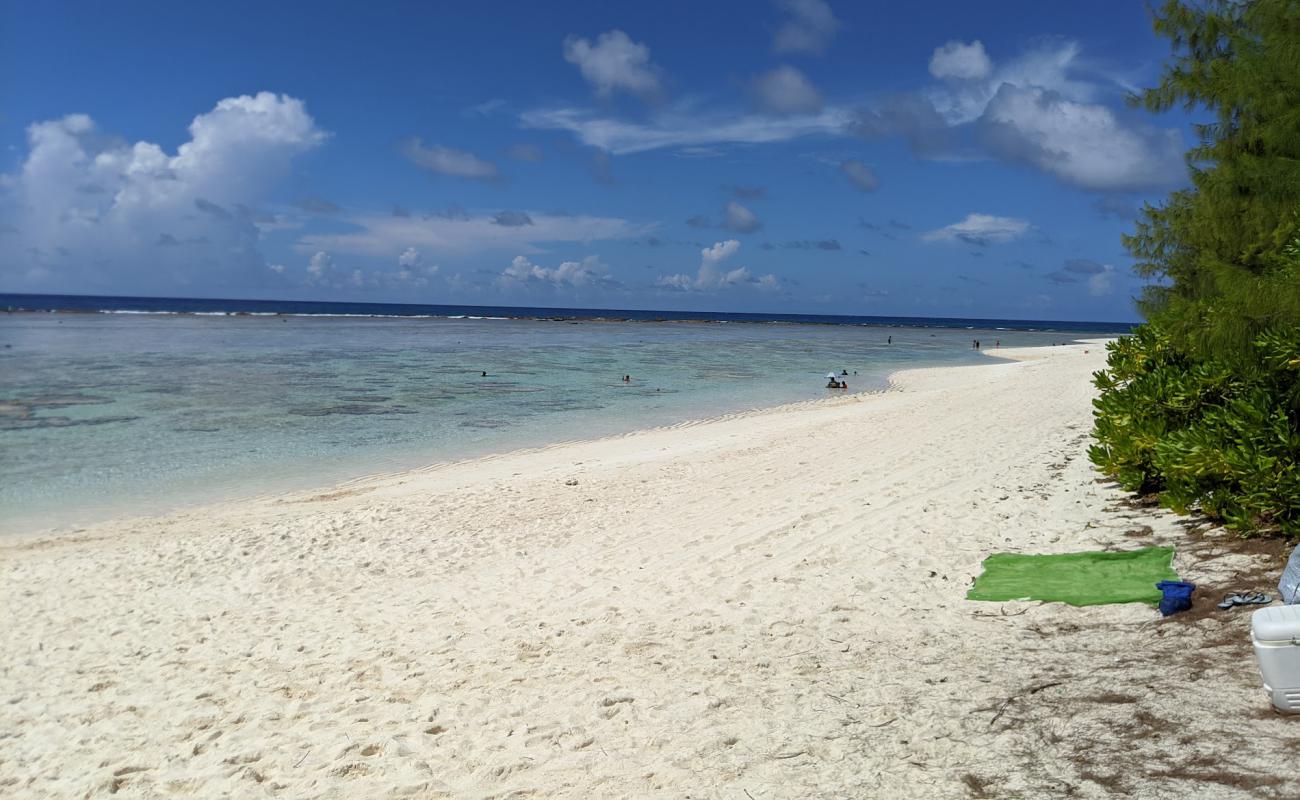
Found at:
(961, 61)
(1046, 108)
(411, 272)
(711, 276)
(1049, 64)
(94, 212)
(319, 264)
(409, 258)
(411, 269)
(586, 272)
(1084, 144)
(614, 63)
(720, 251)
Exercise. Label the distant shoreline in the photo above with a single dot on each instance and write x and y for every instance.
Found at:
(165, 306)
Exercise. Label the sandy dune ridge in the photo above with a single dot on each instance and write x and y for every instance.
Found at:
(767, 605)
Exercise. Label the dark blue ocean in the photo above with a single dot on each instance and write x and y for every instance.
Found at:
(182, 305)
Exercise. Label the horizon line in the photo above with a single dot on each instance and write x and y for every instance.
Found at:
(1129, 323)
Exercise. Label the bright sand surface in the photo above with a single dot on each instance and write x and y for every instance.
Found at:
(765, 605)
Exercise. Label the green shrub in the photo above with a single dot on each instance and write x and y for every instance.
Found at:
(1204, 435)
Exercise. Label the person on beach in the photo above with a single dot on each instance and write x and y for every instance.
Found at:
(890, 340)
(627, 379)
(483, 374)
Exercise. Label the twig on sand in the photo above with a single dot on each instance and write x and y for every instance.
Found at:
(303, 757)
(1032, 690)
(801, 652)
(747, 794)
(792, 754)
(1001, 710)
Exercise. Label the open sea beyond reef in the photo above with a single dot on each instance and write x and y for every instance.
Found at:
(155, 403)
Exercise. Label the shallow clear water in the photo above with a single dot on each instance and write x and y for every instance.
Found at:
(104, 413)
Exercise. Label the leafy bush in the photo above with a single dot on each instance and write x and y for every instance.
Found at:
(1203, 434)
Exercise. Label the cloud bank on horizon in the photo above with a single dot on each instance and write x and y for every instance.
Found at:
(1010, 161)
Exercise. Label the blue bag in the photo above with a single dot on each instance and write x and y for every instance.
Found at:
(1178, 596)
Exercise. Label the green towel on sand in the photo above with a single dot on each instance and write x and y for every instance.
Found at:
(1080, 579)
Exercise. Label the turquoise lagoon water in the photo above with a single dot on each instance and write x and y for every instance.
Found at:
(104, 414)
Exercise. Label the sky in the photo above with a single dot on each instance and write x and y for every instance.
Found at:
(941, 158)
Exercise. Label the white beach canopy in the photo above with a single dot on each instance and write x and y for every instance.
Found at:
(831, 375)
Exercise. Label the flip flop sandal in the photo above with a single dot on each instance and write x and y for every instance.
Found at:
(1232, 600)
(1259, 599)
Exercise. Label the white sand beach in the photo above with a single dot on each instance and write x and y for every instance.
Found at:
(769, 605)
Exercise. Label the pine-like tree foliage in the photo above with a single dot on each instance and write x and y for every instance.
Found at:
(1216, 245)
(1202, 404)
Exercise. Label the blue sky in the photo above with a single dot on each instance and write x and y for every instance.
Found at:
(946, 158)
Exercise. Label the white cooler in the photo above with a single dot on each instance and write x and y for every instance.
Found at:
(1275, 632)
